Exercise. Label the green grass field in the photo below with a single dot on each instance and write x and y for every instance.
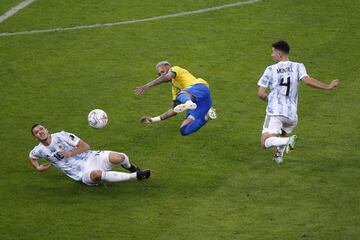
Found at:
(216, 184)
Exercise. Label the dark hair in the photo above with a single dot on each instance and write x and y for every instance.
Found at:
(34, 126)
(282, 46)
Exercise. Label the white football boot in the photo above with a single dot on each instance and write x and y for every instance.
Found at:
(212, 114)
(291, 144)
(279, 154)
(183, 107)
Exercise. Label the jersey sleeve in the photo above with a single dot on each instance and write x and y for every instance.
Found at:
(33, 154)
(302, 71)
(265, 78)
(175, 69)
(70, 138)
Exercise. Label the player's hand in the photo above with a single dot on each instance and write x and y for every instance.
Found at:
(65, 153)
(43, 167)
(145, 120)
(139, 90)
(333, 83)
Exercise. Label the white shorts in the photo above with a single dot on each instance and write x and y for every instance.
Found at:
(99, 160)
(275, 124)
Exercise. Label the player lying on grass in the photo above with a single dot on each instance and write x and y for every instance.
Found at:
(72, 156)
(283, 79)
(189, 94)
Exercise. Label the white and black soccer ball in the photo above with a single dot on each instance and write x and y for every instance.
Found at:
(97, 118)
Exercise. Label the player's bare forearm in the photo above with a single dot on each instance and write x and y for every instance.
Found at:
(163, 78)
(155, 82)
(168, 114)
(141, 89)
(312, 82)
(37, 166)
(80, 148)
(262, 94)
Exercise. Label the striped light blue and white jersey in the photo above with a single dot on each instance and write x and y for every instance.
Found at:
(283, 80)
(63, 141)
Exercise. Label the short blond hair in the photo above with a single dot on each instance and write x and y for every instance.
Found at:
(162, 63)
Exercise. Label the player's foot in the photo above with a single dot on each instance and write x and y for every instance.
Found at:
(278, 155)
(291, 144)
(133, 168)
(143, 174)
(212, 113)
(182, 107)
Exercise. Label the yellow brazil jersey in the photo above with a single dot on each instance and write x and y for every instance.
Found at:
(183, 79)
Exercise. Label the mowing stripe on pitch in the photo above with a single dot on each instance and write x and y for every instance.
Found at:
(14, 10)
(97, 25)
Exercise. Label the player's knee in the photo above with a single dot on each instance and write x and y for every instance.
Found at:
(119, 157)
(262, 141)
(116, 158)
(95, 175)
(184, 131)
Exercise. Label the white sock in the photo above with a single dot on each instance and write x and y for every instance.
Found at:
(126, 162)
(112, 176)
(276, 142)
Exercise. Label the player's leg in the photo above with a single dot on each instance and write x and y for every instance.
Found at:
(190, 96)
(275, 134)
(288, 127)
(270, 136)
(121, 158)
(191, 125)
(280, 150)
(196, 118)
(98, 169)
(211, 114)
(94, 177)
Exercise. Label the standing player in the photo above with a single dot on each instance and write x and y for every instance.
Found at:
(72, 156)
(283, 79)
(189, 93)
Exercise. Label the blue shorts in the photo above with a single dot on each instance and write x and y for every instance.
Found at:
(202, 98)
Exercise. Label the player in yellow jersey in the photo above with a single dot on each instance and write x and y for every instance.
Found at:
(189, 93)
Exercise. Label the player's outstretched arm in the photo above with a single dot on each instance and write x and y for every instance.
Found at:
(39, 167)
(81, 147)
(168, 114)
(312, 82)
(163, 78)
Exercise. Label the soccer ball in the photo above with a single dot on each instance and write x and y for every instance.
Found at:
(97, 118)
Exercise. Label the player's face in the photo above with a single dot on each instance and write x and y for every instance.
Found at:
(40, 132)
(162, 70)
(276, 55)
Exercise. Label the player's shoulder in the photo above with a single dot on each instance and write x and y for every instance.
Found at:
(64, 135)
(37, 147)
(283, 64)
(296, 63)
(271, 67)
(36, 151)
(60, 134)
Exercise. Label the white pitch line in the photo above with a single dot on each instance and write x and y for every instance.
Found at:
(97, 25)
(15, 9)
